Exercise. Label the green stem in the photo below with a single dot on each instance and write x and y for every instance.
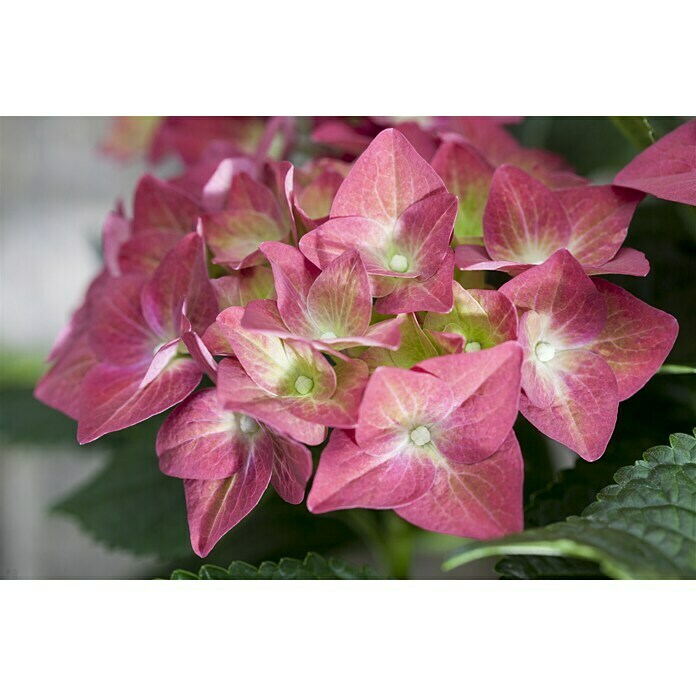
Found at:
(389, 538)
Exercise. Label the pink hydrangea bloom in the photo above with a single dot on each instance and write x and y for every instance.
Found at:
(588, 344)
(434, 443)
(525, 222)
(322, 305)
(394, 209)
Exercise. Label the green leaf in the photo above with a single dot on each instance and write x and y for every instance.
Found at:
(637, 129)
(547, 568)
(130, 505)
(24, 420)
(313, 567)
(642, 527)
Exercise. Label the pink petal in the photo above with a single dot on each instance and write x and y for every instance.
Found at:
(237, 392)
(599, 218)
(467, 175)
(538, 378)
(339, 301)
(292, 468)
(294, 276)
(144, 253)
(337, 235)
(314, 200)
(112, 398)
(666, 169)
(559, 290)
(159, 205)
(388, 177)
(240, 288)
(490, 381)
(201, 440)
(524, 221)
(583, 414)
(395, 402)
(181, 280)
(251, 217)
(416, 295)
(479, 501)
(118, 331)
(636, 339)
(338, 409)
(486, 317)
(626, 262)
(61, 386)
(348, 477)
(423, 232)
(116, 231)
(214, 507)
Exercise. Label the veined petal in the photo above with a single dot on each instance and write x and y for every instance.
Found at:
(215, 506)
(583, 414)
(490, 382)
(339, 302)
(240, 288)
(388, 177)
(118, 332)
(349, 477)
(423, 232)
(374, 241)
(292, 468)
(626, 262)
(415, 346)
(202, 440)
(485, 317)
(237, 392)
(395, 403)
(293, 275)
(560, 291)
(181, 280)
(524, 221)
(159, 205)
(667, 169)
(112, 398)
(636, 338)
(538, 379)
(479, 501)
(468, 176)
(415, 295)
(599, 218)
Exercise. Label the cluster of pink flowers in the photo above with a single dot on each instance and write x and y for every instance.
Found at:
(340, 303)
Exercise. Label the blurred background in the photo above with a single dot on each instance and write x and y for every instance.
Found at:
(105, 511)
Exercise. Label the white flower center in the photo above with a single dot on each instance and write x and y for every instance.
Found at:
(420, 436)
(304, 385)
(327, 335)
(398, 263)
(544, 351)
(472, 347)
(247, 425)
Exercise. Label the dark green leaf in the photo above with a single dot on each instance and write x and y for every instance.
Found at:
(24, 420)
(547, 568)
(644, 526)
(313, 567)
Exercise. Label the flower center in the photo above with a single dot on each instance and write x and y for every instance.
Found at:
(304, 385)
(398, 263)
(420, 436)
(327, 335)
(247, 425)
(544, 351)
(472, 347)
